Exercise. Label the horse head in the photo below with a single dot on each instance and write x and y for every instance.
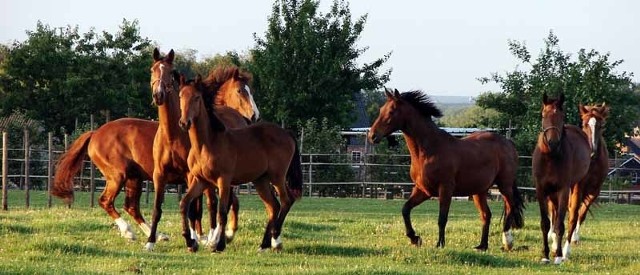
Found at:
(593, 120)
(552, 121)
(161, 76)
(190, 101)
(231, 88)
(389, 119)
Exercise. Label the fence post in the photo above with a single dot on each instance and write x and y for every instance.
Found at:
(92, 182)
(50, 169)
(310, 175)
(26, 167)
(66, 142)
(5, 170)
(364, 162)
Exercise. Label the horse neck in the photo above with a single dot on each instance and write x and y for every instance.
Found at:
(423, 135)
(169, 115)
(201, 134)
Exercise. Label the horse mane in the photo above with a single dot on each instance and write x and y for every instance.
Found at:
(422, 103)
(220, 74)
(208, 100)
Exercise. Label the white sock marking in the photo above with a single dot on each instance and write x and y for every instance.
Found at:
(566, 250)
(576, 236)
(146, 229)
(276, 242)
(507, 239)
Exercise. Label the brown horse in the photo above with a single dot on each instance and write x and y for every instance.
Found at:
(593, 121)
(560, 160)
(443, 166)
(122, 150)
(262, 153)
(171, 145)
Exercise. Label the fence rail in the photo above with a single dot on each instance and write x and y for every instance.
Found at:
(325, 175)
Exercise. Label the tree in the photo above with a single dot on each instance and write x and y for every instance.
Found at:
(590, 78)
(186, 62)
(305, 66)
(471, 117)
(59, 76)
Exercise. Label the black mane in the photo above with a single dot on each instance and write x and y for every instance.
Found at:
(208, 100)
(422, 103)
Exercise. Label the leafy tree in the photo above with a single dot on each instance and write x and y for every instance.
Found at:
(471, 117)
(305, 66)
(589, 78)
(187, 63)
(59, 76)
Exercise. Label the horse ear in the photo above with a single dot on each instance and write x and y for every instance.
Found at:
(396, 93)
(545, 98)
(176, 76)
(156, 54)
(388, 94)
(582, 109)
(169, 57)
(605, 113)
(182, 80)
(198, 79)
(561, 100)
(236, 74)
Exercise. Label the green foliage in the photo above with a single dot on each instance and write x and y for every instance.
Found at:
(320, 137)
(589, 78)
(307, 61)
(59, 75)
(471, 117)
(187, 63)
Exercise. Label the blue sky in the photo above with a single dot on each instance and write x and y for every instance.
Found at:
(440, 47)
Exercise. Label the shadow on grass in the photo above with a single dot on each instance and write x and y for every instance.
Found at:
(335, 250)
(482, 259)
(15, 228)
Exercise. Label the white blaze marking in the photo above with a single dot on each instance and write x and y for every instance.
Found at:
(253, 103)
(592, 126)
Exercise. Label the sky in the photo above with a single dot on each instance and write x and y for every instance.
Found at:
(440, 47)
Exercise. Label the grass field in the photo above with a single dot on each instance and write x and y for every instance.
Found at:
(321, 236)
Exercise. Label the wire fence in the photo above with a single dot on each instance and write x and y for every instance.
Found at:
(356, 175)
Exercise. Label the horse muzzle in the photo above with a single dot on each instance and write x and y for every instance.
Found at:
(375, 138)
(158, 98)
(185, 125)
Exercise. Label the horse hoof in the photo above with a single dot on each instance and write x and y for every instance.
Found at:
(194, 248)
(481, 248)
(220, 247)
(417, 241)
(263, 249)
(149, 246)
(558, 260)
(278, 248)
(545, 261)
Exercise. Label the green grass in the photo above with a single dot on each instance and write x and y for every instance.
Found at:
(321, 236)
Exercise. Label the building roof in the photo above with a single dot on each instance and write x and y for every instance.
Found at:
(633, 144)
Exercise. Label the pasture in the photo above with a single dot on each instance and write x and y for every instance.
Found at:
(321, 236)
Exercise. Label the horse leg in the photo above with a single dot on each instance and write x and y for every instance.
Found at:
(286, 201)
(194, 191)
(271, 205)
(159, 184)
(590, 196)
(212, 205)
(574, 208)
(224, 189)
(562, 203)
(415, 199)
(444, 198)
(545, 223)
(110, 192)
(480, 200)
(233, 218)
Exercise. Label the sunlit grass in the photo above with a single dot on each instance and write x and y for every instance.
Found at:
(321, 235)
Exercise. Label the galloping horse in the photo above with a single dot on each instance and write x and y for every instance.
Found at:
(219, 157)
(593, 120)
(123, 151)
(171, 145)
(560, 160)
(443, 166)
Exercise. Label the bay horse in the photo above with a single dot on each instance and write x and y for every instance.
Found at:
(560, 160)
(593, 118)
(122, 150)
(262, 153)
(444, 166)
(171, 145)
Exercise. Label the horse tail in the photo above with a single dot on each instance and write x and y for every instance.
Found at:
(68, 166)
(294, 173)
(517, 209)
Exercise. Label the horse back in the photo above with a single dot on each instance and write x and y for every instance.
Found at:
(124, 145)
